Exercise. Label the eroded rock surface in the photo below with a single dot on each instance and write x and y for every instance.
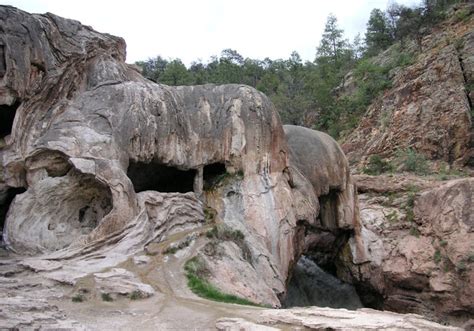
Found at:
(429, 105)
(420, 244)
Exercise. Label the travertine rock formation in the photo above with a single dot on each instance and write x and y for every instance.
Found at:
(98, 163)
(429, 105)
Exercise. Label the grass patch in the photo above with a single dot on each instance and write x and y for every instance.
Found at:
(194, 272)
(106, 297)
(78, 298)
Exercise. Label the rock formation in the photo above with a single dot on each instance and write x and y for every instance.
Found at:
(428, 107)
(109, 183)
(420, 245)
(93, 153)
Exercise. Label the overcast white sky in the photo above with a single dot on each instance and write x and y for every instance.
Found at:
(192, 30)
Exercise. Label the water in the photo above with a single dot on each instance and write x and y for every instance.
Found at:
(312, 286)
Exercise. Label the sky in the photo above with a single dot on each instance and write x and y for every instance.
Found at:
(196, 30)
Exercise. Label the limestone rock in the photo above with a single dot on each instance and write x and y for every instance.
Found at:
(342, 319)
(122, 282)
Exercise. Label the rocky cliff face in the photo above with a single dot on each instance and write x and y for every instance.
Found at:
(429, 107)
(420, 246)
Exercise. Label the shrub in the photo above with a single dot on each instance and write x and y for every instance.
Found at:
(377, 166)
(461, 266)
(414, 231)
(78, 298)
(223, 232)
(106, 297)
(437, 256)
(412, 161)
(392, 216)
(136, 295)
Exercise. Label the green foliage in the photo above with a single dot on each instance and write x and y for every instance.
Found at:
(461, 266)
(414, 231)
(377, 166)
(378, 36)
(470, 258)
(78, 298)
(136, 295)
(223, 232)
(196, 273)
(412, 161)
(392, 217)
(106, 297)
(437, 256)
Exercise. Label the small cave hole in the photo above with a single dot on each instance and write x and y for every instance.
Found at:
(3, 64)
(328, 213)
(212, 174)
(6, 199)
(161, 178)
(7, 116)
(310, 285)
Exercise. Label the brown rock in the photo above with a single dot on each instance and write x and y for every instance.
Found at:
(428, 106)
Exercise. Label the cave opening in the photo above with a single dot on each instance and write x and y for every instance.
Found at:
(311, 285)
(317, 278)
(6, 198)
(212, 174)
(7, 116)
(161, 178)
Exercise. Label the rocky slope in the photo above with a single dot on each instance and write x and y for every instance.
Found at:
(429, 106)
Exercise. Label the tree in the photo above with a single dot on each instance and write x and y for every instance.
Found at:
(153, 68)
(175, 73)
(332, 45)
(377, 36)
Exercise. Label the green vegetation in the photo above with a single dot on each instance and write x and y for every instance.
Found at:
(78, 298)
(223, 232)
(319, 93)
(437, 256)
(174, 248)
(414, 231)
(106, 297)
(136, 295)
(461, 266)
(392, 217)
(377, 165)
(196, 272)
(412, 161)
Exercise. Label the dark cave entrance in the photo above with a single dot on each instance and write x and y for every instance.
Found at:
(7, 116)
(316, 278)
(311, 285)
(6, 198)
(161, 178)
(212, 174)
